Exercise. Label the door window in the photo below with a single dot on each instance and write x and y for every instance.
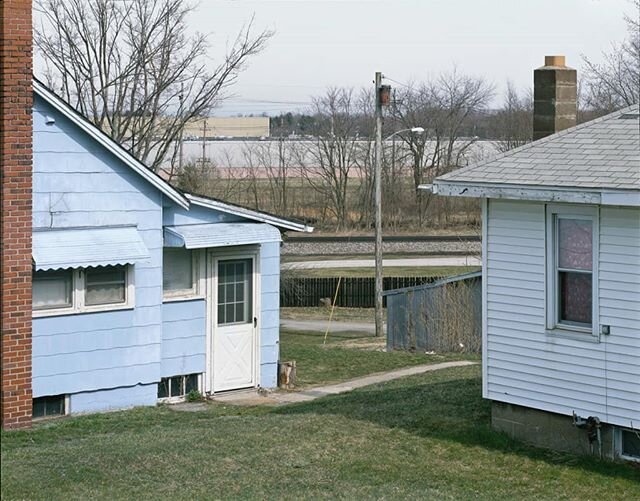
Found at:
(235, 291)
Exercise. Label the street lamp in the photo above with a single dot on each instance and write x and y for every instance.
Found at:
(381, 100)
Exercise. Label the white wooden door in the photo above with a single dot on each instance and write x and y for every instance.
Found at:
(234, 329)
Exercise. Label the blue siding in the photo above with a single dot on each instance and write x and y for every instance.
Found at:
(175, 215)
(183, 337)
(79, 183)
(117, 398)
(270, 314)
(114, 359)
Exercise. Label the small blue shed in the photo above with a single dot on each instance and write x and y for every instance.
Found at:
(141, 292)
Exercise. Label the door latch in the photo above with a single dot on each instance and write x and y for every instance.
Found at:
(255, 322)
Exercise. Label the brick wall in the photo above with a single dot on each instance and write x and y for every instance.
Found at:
(15, 252)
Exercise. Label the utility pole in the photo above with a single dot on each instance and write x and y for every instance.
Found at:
(180, 97)
(378, 208)
(204, 142)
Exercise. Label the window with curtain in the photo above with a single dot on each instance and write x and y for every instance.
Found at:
(82, 290)
(52, 289)
(574, 270)
(105, 285)
(571, 253)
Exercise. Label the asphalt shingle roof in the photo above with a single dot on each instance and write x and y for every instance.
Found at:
(602, 153)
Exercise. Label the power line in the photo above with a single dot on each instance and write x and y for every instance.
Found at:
(396, 82)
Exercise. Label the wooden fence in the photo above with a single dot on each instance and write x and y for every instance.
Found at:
(444, 316)
(354, 292)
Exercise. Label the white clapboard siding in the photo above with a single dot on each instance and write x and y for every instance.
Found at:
(527, 366)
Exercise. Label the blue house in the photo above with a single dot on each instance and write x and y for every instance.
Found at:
(141, 293)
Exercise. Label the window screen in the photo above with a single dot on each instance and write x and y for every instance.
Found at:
(177, 269)
(52, 289)
(105, 285)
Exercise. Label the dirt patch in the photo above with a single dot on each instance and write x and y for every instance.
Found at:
(362, 344)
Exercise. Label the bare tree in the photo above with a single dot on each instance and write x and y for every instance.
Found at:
(209, 180)
(444, 107)
(512, 124)
(328, 160)
(272, 161)
(131, 68)
(615, 83)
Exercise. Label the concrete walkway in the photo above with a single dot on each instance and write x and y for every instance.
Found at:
(370, 263)
(252, 397)
(321, 326)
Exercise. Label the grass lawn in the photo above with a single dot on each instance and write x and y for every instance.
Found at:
(346, 356)
(421, 437)
(388, 271)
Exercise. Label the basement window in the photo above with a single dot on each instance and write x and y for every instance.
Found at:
(630, 444)
(49, 406)
(177, 387)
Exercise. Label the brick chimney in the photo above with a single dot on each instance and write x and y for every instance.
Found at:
(554, 97)
(15, 176)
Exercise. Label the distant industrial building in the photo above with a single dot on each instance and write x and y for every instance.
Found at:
(227, 127)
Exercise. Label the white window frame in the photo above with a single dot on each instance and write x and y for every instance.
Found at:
(67, 408)
(619, 444)
(553, 325)
(180, 398)
(197, 290)
(78, 297)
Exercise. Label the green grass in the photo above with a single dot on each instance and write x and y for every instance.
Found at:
(422, 437)
(346, 356)
(388, 271)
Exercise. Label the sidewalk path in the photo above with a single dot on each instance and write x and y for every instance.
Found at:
(370, 263)
(292, 397)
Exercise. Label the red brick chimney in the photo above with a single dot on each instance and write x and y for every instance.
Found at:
(555, 94)
(15, 248)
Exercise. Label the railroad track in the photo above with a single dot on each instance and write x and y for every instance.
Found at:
(387, 238)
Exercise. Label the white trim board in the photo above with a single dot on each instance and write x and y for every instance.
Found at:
(537, 193)
(248, 213)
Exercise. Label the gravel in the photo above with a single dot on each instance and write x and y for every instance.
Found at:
(367, 248)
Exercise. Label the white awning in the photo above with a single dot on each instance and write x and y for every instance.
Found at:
(84, 247)
(198, 236)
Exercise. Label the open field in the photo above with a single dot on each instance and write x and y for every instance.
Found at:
(420, 437)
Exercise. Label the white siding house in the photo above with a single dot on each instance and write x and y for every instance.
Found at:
(561, 282)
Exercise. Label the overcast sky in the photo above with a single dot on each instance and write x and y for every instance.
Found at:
(321, 43)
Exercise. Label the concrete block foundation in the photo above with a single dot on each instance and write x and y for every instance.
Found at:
(550, 431)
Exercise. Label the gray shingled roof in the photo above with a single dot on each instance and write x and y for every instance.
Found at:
(602, 153)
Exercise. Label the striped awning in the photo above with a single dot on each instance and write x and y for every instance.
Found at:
(198, 236)
(84, 247)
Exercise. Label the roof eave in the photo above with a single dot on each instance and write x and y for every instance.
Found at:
(109, 144)
(536, 193)
(249, 214)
